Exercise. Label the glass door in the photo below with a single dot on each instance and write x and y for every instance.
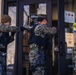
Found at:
(70, 35)
(10, 8)
(27, 16)
(11, 48)
(29, 19)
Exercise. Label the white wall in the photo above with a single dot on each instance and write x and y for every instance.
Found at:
(1, 8)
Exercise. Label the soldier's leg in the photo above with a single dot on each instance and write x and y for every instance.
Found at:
(37, 62)
(3, 62)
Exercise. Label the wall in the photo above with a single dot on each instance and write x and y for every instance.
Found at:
(67, 6)
(1, 8)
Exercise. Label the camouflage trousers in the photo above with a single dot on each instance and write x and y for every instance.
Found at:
(37, 61)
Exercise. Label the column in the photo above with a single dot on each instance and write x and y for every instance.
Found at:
(1, 8)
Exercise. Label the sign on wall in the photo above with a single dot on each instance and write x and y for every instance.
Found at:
(69, 37)
(69, 17)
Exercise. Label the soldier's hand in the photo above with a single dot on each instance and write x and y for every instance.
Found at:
(13, 33)
(22, 28)
(54, 30)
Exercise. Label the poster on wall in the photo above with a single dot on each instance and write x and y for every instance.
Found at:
(69, 37)
(69, 17)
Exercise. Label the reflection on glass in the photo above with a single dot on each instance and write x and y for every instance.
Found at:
(12, 14)
(33, 9)
(26, 14)
(11, 46)
(41, 9)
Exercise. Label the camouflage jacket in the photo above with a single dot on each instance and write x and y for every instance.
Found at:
(5, 28)
(42, 30)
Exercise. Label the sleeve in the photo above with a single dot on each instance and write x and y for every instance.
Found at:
(4, 28)
(41, 29)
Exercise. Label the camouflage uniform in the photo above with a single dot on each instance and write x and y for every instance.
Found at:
(42, 30)
(5, 39)
(5, 28)
(37, 55)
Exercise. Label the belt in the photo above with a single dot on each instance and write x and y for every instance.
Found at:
(33, 45)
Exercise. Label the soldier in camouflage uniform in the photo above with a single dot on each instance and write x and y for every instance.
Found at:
(6, 28)
(38, 42)
(5, 25)
(5, 38)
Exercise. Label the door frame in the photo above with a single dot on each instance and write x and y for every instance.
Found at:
(19, 41)
(61, 39)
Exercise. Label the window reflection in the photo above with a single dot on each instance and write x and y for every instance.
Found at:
(12, 14)
(26, 14)
(11, 46)
(41, 9)
(33, 9)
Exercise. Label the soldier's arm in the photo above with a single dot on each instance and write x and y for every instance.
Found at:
(5, 28)
(41, 29)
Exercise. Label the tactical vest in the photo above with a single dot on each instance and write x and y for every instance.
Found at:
(41, 41)
(5, 39)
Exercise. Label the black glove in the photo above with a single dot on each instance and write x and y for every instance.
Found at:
(22, 28)
(13, 33)
(11, 38)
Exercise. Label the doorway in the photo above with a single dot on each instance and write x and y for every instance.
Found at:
(27, 14)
